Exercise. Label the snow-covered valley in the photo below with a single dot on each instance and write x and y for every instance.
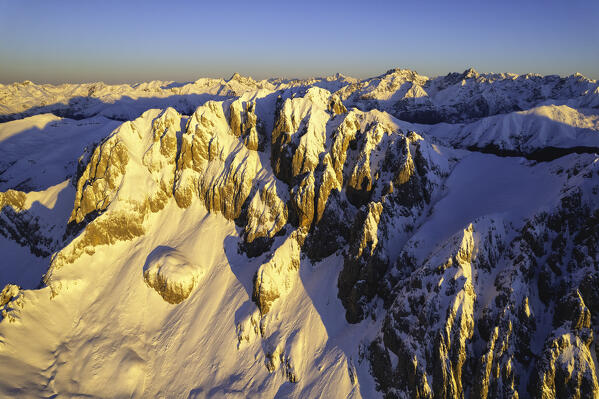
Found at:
(398, 236)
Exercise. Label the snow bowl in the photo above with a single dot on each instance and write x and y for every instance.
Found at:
(171, 274)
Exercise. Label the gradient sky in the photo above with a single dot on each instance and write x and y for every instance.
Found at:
(130, 41)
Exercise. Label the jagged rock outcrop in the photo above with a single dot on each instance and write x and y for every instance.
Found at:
(207, 162)
(267, 213)
(98, 184)
(171, 274)
(566, 368)
(319, 148)
(153, 146)
(430, 325)
(321, 151)
(303, 195)
(245, 124)
(496, 377)
(276, 278)
(13, 198)
(362, 178)
(143, 150)
(364, 265)
(11, 299)
(8, 293)
(214, 165)
(300, 133)
(21, 221)
(507, 323)
(542, 267)
(397, 185)
(20, 226)
(265, 216)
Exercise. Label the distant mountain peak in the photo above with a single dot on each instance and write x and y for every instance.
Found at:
(236, 77)
(470, 73)
(402, 71)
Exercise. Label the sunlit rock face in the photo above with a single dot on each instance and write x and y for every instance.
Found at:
(274, 279)
(566, 368)
(214, 165)
(172, 274)
(265, 216)
(310, 238)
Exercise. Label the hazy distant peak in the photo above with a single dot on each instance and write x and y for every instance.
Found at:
(402, 72)
(236, 77)
(580, 76)
(470, 73)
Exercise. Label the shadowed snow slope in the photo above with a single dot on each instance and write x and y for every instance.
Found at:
(526, 131)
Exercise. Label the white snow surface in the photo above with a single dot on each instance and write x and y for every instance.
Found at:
(108, 325)
(486, 185)
(546, 126)
(42, 150)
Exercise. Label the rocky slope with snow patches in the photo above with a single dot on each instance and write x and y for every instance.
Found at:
(301, 238)
(467, 96)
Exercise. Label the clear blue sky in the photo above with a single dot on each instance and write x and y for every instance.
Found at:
(129, 40)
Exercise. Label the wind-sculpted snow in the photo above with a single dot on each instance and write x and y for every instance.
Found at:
(302, 238)
(171, 274)
(527, 133)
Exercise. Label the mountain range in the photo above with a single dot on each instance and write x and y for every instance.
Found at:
(399, 236)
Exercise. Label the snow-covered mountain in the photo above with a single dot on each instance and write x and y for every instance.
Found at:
(399, 236)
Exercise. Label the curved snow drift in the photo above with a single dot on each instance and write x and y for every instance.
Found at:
(171, 274)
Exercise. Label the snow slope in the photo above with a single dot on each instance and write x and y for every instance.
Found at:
(526, 131)
(107, 324)
(42, 150)
(486, 185)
